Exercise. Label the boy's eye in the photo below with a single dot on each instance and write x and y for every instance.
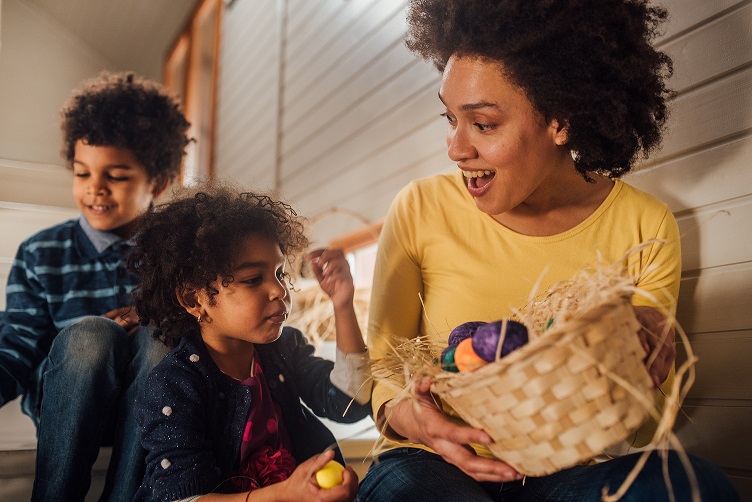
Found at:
(81, 175)
(254, 281)
(112, 177)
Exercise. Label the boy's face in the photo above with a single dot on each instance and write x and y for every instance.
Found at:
(111, 188)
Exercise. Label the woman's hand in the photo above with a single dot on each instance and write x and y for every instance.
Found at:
(126, 317)
(333, 273)
(657, 337)
(421, 421)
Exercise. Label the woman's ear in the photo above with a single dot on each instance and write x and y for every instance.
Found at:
(560, 132)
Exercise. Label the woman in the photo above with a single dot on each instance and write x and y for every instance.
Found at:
(547, 104)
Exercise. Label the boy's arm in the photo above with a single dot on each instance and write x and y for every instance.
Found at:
(27, 329)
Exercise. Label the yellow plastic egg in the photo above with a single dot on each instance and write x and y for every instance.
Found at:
(465, 357)
(330, 475)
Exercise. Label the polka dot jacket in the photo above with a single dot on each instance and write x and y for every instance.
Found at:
(192, 416)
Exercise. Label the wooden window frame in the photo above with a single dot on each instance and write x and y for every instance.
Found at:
(185, 55)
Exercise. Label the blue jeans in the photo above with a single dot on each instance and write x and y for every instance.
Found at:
(92, 376)
(411, 474)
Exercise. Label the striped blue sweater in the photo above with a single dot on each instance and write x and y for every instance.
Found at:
(57, 277)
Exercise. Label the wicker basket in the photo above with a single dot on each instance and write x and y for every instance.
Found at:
(562, 398)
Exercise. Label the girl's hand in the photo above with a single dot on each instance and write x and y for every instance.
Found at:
(301, 485)
(126, 317)
(420, 420)
(656, 336)
(333, 273)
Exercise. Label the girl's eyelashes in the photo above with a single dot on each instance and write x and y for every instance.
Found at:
(253, 281)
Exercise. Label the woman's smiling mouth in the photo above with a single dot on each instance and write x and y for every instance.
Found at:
(478, 182)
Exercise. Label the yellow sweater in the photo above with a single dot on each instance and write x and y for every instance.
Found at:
(437, 245)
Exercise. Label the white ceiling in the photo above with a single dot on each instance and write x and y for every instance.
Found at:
(132, 34)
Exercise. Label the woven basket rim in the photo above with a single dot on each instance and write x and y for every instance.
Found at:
(559, 333)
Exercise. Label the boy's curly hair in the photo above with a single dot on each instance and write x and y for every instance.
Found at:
(127, 111)
(586, 63)
(191, 241)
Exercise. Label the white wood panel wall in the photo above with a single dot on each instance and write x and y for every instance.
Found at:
(359, 119)
(248, 93)
(704, 172)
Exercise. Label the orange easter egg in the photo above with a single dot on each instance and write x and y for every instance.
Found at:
(465, 357)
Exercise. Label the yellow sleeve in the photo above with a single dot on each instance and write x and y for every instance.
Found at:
(659, 277)
(394, 309)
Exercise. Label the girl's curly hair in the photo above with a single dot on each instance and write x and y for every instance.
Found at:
(586, 63)
(190, 242)
(127, 111)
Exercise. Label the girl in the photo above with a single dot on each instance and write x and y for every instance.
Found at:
(547, 104)
(222, 413)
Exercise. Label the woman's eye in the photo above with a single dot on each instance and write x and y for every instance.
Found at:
(253, 281)
(483, 127)
(448, 117)
(282, 275)
(81, 175)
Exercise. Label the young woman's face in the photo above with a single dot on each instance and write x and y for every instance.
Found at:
(254, 306)
(507, 152)
(110, 187)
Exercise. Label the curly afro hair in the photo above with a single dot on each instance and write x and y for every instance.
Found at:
(190, 242)
(586, 63)
(127, 111)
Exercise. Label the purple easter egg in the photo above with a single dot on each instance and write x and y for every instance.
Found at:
(465, 330)
(486, 339)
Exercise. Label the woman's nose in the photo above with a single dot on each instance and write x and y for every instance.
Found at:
(459, 146)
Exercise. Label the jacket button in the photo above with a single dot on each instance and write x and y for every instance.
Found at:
(167, 411)
(165, 463)
(194, 358)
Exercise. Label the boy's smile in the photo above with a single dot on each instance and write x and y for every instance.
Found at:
(111, 188)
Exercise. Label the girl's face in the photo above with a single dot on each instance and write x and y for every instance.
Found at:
(253, 307)
(509, 155)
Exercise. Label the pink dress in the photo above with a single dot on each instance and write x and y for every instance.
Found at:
(265, 456)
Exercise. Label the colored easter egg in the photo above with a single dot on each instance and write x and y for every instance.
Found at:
(486, 339)
(447, 359)
(330, 475)
(465, 357)
(463, 331)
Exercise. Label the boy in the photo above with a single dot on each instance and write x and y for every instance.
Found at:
(69, 341)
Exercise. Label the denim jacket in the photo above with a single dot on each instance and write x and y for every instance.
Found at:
(192, 415)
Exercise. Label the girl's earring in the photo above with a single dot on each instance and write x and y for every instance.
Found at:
(198, 318)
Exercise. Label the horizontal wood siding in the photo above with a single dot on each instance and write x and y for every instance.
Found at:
(703, 172)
